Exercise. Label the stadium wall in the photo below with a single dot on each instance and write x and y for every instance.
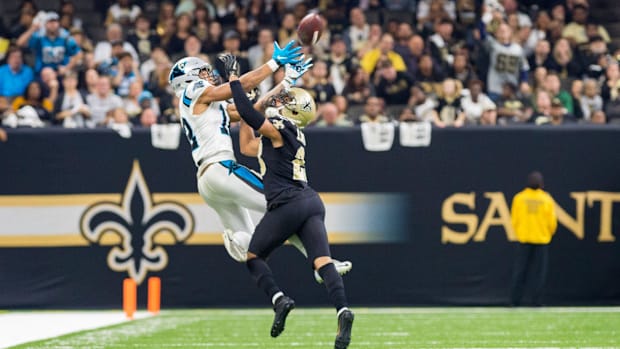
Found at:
(81, 210)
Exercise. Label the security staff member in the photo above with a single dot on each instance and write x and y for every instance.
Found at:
(534, 222)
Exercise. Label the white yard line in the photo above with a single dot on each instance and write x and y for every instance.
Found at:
(23, 327)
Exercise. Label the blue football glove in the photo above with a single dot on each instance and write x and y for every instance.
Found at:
(288, 54)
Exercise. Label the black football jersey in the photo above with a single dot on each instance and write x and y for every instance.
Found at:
(284, 168)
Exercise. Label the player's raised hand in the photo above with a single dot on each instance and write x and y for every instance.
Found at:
(287, 54)
(292, 72)
(230, 64)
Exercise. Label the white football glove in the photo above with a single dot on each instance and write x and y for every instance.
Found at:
(292, 72)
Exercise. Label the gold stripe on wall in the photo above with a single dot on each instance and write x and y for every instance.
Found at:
(42, 240)
(57, 200)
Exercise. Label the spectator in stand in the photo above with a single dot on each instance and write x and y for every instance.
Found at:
(328, 117)
(441, 44)
(479, 109)
(461, 70)
(143, 37)
(554, 87)
(201, 21)
(260, 53)
(373, 112)
(157, 82)
(596, 58)
(358, 88)
(247, 38)
(319, 86)
(67, 8)
(391, 85)
(541, 56)
(70, 107)
(449, 111)
(166, 16)
(23, 22)
(102, 101)
(147, 101)
(576, 91)
(575, 31)
(342, 105)
(114, 34)
(53, 47)
(542, 114)
(558, 115)
(538, 79)
(125, 73)
(339, 63)
(429, 11)
(508, 62)
(232, 45)
(415, 50)
(148, 118)
(512, 109)
(86, 46)
(192, 48)
(109, 65)
(183, 31)
(261, 12)
(131, 102)
(403, 34)
(213, 44)
(598, 118)
(538, 33)
(287, 31)
(14, 75)
(225, 11)
(422, 106)
(117, 119)
(385, 50)
(123, 12)
(428, 75)
(193, 6)
(48, 79)
(374, 37)
(591, 101)
(89, 85)
(33, 97)
(171, 114)
(563, 61)
(356, 35)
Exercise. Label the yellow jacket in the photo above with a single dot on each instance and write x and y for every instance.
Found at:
(371, 58)
(533, 216)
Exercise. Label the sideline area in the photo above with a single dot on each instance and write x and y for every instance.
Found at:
(24, 326)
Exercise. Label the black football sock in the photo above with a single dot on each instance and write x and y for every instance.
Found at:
(334, 285)
(263, 276)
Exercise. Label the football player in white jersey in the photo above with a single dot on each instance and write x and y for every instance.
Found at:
(229, 188)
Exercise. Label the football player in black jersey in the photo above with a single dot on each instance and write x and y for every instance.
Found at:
(292, 205)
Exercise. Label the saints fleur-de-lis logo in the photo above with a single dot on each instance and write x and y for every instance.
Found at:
(136, 221)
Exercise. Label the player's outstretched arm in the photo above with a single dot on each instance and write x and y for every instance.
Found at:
(252, 117)
(249, 80)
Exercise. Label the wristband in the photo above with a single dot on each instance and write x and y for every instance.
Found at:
(273, 65)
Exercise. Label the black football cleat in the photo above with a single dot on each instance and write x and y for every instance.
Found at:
(283, 306)
(345, 324)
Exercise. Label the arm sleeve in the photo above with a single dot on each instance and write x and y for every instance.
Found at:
(246, 110)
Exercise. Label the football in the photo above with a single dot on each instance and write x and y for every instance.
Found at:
(310, 29)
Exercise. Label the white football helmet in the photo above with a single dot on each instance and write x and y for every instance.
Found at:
(189, 69)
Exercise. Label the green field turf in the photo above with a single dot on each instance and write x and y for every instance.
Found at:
(393, 328)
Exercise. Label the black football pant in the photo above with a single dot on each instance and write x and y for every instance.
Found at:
(530, 263)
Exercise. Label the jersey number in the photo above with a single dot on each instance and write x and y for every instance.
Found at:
(507, 63)
(299, 165)
(193, 142)
(225, 127)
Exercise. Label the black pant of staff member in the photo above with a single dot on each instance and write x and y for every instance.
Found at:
(534, 221)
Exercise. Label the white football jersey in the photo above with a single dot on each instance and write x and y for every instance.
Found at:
(208, 133)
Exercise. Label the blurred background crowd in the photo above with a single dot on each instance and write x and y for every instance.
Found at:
(450, 62)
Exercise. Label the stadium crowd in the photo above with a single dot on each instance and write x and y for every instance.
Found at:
(450, 62)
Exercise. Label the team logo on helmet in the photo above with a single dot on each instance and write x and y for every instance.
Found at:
(132, 228)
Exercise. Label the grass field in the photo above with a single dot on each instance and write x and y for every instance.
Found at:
(374, 328)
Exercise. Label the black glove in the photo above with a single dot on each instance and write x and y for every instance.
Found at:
(230, 64)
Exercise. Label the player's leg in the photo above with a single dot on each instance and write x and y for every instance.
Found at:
(539, 270)
(271, 232)
(238, 225)
(314, 236)
(519, 274)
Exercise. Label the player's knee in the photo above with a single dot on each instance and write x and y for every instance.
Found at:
(322, 261)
